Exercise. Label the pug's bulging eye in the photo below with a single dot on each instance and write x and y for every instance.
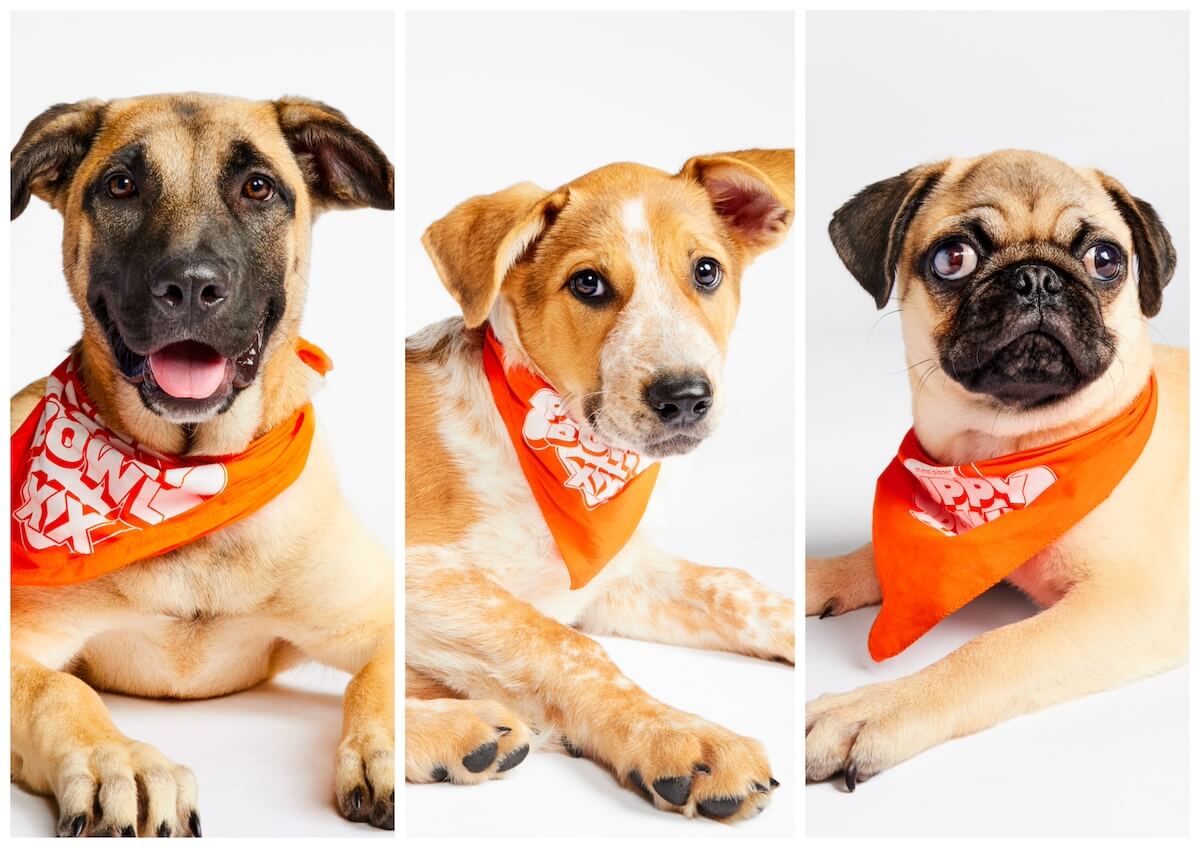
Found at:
(954, 260)
(707, 273)
(258, 187)
(1103, 262)
(121, 186)
(588, 285)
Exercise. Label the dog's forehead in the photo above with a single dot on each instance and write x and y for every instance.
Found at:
(181, 133)
(1019, 195)
(617, 201)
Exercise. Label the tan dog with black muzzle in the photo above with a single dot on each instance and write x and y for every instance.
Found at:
(618, 289)
(186, 242)
(1024, 285)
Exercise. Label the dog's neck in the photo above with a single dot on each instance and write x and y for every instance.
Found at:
(954, 427)
(284, 384)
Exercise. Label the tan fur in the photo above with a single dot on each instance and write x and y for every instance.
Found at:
(300, 579)
(1115, 586)
(490, 641)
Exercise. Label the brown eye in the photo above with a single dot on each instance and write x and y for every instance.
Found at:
(258, 187)
(121, 186)
(1103, 262)
(588, 285)
(954, 260)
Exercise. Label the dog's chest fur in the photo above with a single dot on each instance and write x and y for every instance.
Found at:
(506, 536)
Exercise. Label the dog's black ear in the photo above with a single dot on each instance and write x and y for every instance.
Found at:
(479, 241)
(342, 166)
(51, 148)
(1151, 243)
(752, 191)
(868, 231)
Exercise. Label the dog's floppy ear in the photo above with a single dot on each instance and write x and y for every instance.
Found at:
(1151, 243)
(475, 246)
(342, 166)
(868, 230)
(49, 151)
(752, 191)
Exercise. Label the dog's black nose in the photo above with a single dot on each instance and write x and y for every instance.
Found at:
(681, 401)
(190, 284)
(1036, 281)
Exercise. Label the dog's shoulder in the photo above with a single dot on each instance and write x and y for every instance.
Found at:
(23, 403)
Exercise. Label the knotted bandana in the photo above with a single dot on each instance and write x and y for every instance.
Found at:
(945, 535)
(590, 495)
(87, 501)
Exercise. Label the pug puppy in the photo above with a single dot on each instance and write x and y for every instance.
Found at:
(1024, 285)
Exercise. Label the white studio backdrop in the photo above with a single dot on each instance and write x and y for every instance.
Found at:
(886, 91)
(349, 313)
(495, 99)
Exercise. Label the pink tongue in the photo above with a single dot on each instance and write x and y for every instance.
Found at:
(188, 370)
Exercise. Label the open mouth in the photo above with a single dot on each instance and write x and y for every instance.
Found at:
(187, 380)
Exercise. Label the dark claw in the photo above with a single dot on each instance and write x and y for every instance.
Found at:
(571, 749)
(774, 783)
(513, 758)
(439, 774)
(719, 808)
(194, 823)
(164, 830)
(674, 789)
(504, 731)
(481, 757)
(128, 830)
(635, 777)
(392, 796)
(851, 777)
(758, 787)
(72, 827)
(828, 611)
(356, 798)
(702, 768)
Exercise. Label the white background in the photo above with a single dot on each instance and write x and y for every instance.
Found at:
(885, 92)
(497, 99)
(264, 759)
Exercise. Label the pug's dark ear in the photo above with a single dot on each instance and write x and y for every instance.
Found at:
(868, 231)
(49, 151)
(1151, 243)
(342, 166)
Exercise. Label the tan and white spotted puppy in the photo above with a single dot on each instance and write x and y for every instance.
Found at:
(1025, 285)
(186, 237)
(620, 289)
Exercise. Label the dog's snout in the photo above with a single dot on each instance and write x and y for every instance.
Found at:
(195, 284)
(1033, 282)
(680, 401)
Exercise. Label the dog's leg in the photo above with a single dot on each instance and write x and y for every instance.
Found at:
(466, 631)
(835, 585)
(65, 744)
(1095, 638)
(677, 602)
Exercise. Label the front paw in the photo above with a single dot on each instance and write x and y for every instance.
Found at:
(837, 585)
(450, 740)
(119, 787)
(859, 734)
(681, 763)
(365, 776)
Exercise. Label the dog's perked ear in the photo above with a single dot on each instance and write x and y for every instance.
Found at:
(51, 148)
(753, 191)
(868, 230)
(1151, 243)
(344, 169)
(475, 246)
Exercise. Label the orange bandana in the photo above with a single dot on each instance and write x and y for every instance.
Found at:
(574, 478)
(87, 502)
(944, 535)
